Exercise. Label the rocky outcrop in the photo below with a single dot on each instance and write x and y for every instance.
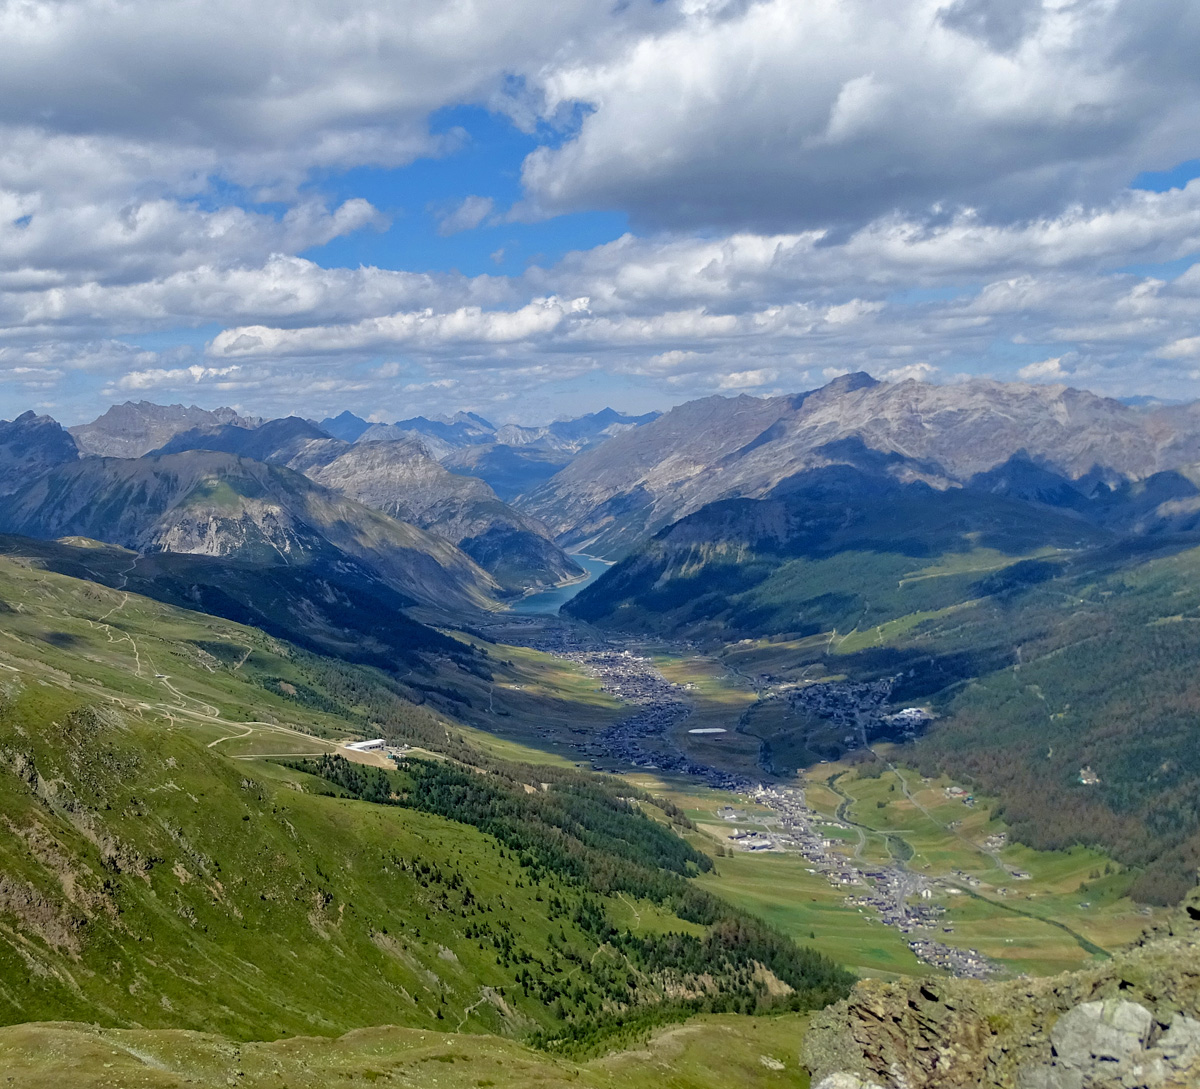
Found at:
(1129, 1023)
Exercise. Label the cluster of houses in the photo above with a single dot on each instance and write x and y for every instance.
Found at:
(856, 713)
(966, 963)
(902, 899)
(643, 738)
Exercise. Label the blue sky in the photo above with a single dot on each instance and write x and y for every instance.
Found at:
(532, 210)
(486, 161)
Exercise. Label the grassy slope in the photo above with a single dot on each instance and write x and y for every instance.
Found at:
(149, 880)
(712, 1051)
(158, 883)
(854, 554)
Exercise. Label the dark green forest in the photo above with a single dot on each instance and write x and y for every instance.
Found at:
(585, 841)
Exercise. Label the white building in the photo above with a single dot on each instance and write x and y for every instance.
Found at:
(374, 745)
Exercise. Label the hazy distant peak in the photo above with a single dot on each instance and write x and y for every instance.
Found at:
(345, 426)
(135, 428)
(29, 446)
(275, 440)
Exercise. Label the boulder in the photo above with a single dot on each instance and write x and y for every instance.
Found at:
(1114, 1031)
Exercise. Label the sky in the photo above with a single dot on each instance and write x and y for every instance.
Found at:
(535, 208)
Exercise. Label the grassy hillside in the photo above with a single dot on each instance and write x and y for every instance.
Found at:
(840, 549)
(339, 609)
(1093, 668)
(167, 862)
(710, 1052)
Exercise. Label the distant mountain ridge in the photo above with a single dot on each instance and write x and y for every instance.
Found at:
(137, 427)
(470, 429)
(613, 497)
(219, 504)
(403, 480)
(512, 459)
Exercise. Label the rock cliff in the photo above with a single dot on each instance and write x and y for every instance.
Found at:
(1132, 1022)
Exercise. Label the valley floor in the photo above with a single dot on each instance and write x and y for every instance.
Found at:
(893, 874)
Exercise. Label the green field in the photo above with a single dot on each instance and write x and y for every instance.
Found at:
(1034, 924)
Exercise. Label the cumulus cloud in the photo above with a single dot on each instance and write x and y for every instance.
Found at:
(919, 189)
(833, 111)
(739, 380)
(1048, 370)
(272, 88)
(916, 372)
(157, 377)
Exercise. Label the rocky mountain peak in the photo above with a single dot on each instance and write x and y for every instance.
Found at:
(29, 446)
(137, 427)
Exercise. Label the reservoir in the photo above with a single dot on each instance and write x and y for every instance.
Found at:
(550, 601)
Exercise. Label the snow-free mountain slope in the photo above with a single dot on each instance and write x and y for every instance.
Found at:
(29, 446)
(403, 480)
(617, 495)
(135, 428)
(218, 504)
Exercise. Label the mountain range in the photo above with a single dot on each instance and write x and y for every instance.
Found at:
(137, 427)
(199, 608)
(218, 504)
(402, 479)
(613, 497)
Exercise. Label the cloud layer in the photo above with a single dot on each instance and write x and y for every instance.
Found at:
(920, 188)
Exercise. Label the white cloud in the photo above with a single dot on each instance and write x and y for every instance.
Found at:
(1047, 370)
(913, 188)
(276, 87)
(157, 377)
(916, 372)
(466, 216)
(747, 379)
(1184, 348)
(777, 115)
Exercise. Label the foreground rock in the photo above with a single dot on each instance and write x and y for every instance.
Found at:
(1130, 1023)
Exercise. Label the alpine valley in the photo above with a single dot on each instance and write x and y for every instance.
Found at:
(850, 734)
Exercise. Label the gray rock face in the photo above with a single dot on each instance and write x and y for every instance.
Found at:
(135, 428)
(1104, 1045)
(1096, 1032)
(719, 448)
(842, 1080)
